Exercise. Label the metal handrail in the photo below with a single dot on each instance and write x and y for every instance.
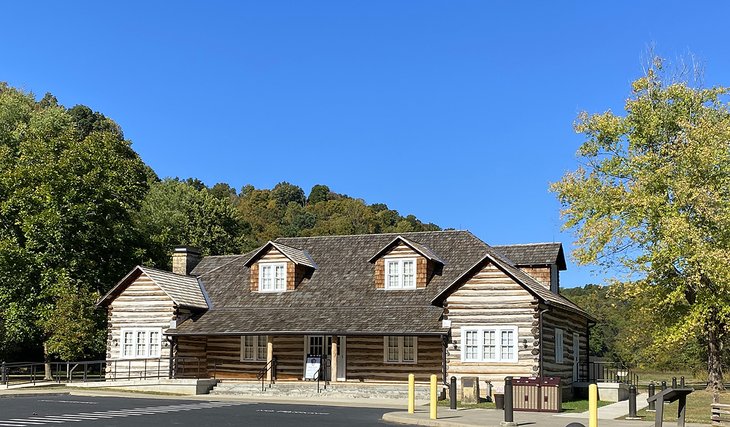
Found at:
(16, 373)
(322, 372)
(270, 366)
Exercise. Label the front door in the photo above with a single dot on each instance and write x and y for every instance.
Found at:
(342, 360)
(319, 345)
(576, 355)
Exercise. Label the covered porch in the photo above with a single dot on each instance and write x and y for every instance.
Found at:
(344, 357)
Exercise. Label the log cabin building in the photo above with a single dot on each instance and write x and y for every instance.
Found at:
(376, 307)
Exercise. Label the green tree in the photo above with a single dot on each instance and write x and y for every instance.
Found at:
(68, 186)
(653, 195)
(319, 193)
(177, 212)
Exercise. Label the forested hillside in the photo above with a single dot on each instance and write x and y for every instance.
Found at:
(79, 208)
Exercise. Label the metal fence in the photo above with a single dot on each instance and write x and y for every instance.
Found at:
(19, 373)
(608, 372)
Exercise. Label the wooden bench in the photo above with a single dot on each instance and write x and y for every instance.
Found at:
(667, 396)
(720, 414)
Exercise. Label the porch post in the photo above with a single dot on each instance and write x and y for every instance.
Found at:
(333, 356)
(269, 355)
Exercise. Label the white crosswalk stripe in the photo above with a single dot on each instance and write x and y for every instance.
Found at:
(105, 415)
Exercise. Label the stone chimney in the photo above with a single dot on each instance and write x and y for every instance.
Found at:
(184, 259)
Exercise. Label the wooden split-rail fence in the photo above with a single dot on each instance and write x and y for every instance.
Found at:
(720, 414)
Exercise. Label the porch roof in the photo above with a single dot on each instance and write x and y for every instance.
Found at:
(392, 320)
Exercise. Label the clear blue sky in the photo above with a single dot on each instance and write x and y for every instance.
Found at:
(459, 112)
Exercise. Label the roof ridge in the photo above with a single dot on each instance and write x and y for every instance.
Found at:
(395, 233)
(159, 270)
(221, 266)
(532, 244)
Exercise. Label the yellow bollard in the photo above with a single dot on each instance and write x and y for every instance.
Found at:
(411, 393)
(434, 398)
(593, 405)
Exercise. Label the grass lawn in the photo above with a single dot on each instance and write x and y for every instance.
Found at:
(698, 408)
(581, 405)
(690, 378)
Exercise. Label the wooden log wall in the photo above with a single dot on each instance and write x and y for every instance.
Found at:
(490, 297)
(192, 356)
(223, 355)
(365, 360)
(144, 305)
(569, 322)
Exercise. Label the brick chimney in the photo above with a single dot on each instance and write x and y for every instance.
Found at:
(184, 259)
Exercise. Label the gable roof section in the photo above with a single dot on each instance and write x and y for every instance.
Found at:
(295, 255)
(185, 291)
(421, 249)
(342, 286)
(534, 254)
(530, 284)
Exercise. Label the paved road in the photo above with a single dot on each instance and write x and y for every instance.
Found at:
(82, 411)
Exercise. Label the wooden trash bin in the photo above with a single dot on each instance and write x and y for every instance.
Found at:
(537, 394)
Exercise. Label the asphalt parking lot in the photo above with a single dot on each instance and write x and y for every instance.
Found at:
(80, 411)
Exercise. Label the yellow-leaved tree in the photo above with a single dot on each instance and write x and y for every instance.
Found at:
(653, 194)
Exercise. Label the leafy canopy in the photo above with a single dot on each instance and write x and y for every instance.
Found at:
(653, 195)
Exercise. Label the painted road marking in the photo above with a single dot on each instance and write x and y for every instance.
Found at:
(118, 413)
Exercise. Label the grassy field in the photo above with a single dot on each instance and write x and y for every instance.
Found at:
(690, 378)
(698, 408)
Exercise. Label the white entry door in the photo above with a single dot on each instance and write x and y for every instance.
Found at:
(342, 359)
(576, 355)
(319, 345)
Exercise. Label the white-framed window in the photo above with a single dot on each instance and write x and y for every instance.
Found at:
(253, 348)
(140, 343)
(400, 273)
(558, 345)
(400, 349)
(272, 277)
(489, 344)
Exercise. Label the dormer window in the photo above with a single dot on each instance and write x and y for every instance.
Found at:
(272, 277)
(400, 273)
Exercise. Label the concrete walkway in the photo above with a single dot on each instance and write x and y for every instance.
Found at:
(493, 417)
(607, 417)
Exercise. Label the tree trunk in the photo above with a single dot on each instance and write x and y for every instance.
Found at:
(714, 353)
(48, 375)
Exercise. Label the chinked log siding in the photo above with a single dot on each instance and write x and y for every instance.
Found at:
(141, 305)
(491, 298)
(365, 360)
(569, 322)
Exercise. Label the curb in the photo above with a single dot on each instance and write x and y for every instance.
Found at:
(401, 418)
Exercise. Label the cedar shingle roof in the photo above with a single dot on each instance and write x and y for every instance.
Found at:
(339, 296)
(296, 255)
(421, 249)
(534, 254)
(185, 291)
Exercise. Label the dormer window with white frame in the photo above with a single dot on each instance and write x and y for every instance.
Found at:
(272, 277)
(400, 273)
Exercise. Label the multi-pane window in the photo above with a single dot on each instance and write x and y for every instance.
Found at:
(141, 342)
(489, 344)
(400, 273)
(558, 345)
(272, 277)
(400, 349)
(127, 343)
(253, 348)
